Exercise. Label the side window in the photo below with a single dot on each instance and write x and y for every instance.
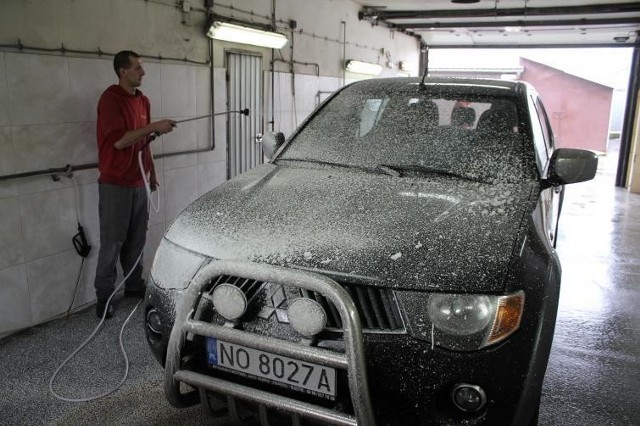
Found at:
(540, 133)
(546, 125)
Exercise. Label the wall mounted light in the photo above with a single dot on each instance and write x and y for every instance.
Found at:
(246, 35)
(360, 67)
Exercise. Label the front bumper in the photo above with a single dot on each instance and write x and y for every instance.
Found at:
(392, 378)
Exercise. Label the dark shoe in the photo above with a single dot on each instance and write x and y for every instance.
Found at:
(101, 306)
(137, 291)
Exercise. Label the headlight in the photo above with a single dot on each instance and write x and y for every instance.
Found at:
(174, 266)
(462, 322)
(461, 314)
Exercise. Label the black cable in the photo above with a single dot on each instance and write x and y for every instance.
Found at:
(75, 291)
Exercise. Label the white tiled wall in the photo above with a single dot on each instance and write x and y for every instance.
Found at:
(39, 89)
(14, 298)
(48, 222)
(47, 120)
(51, 286)
(4, 95)
(178, 91)
(7, 164)
(11, 252)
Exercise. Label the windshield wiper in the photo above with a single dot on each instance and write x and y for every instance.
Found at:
(401, 168)
(378, 169)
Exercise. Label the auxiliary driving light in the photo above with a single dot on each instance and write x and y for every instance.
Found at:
(306, 316)
(468, 397)
(229, 301)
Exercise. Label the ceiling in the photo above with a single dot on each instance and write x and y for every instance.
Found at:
(510, 23)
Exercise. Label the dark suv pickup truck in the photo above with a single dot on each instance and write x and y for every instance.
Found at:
(392, 264)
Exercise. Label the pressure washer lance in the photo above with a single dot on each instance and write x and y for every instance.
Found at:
(156, 205)
(155, 135)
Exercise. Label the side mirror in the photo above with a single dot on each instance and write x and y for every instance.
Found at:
(271, 142)
(571, 166)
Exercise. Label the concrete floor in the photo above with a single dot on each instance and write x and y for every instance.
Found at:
(593, 370)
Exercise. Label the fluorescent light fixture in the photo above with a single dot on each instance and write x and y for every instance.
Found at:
(360, 67)
(239, 34)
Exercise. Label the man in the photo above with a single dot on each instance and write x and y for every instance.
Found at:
(124, 129)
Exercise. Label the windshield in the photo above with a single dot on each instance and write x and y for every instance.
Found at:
(417, 132)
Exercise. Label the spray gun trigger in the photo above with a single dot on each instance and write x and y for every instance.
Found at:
(80, 243)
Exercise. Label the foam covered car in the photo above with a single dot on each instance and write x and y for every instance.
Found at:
(387, 266)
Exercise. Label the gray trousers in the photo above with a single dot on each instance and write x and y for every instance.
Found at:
(124, 216)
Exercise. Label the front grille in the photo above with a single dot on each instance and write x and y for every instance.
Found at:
(377, 307)
(249, 287)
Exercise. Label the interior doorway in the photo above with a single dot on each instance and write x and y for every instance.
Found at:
(244, 90)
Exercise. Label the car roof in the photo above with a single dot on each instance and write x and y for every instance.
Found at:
(466, 86)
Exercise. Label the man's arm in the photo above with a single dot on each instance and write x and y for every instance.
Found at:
(133, 136)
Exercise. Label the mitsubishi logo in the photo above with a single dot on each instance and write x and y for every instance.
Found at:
(276, 301)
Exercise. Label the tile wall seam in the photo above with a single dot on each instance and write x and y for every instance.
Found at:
(47, 190)
(6, 83)
(67, 188)
(24, 263)
(51, 255)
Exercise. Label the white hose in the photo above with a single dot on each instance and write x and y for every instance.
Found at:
(124, 353)
(77, 203)
(156, 208)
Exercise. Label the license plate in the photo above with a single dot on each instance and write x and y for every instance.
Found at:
(300, 375)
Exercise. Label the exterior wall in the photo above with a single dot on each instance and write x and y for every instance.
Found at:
(579, 110)
(47, 118)
(634, 167)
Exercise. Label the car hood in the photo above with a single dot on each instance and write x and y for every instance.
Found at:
(433, 234)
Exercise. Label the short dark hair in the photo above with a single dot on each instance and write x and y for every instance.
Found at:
(123, 60)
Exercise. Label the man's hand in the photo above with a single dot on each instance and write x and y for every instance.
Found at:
(153, 183)
(157, 128)
(163, 126)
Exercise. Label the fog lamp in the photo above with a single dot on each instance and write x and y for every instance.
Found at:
(229, 301)
(154, 323)
(306, 316)
(468, 397)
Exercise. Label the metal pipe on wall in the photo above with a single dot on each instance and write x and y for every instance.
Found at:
(273, 72)
(212, 92)
(344, 52)
(87, 166)
(72, 168)
(291, 63)
(98, 52)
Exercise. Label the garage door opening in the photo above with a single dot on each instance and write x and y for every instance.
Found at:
(586, 89)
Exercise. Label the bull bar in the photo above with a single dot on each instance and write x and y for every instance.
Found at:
(353, 360)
